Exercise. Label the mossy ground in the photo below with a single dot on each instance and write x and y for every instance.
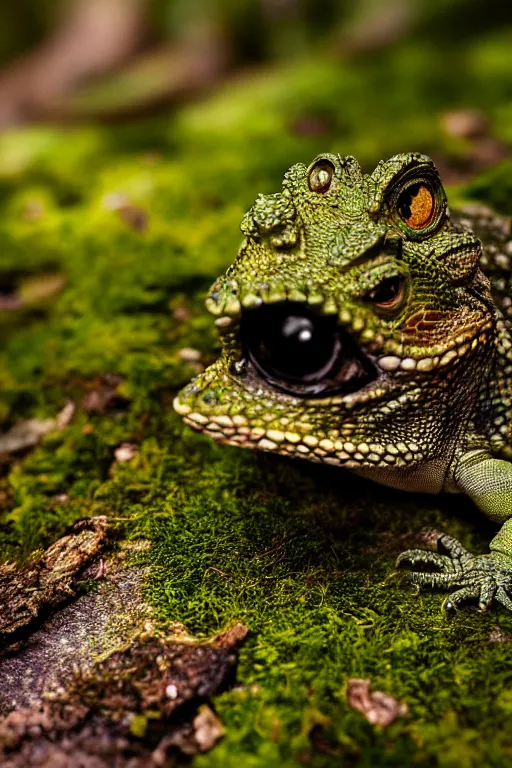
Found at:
(300, 554)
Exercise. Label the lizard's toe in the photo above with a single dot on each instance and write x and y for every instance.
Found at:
(454, 601)
(503, 598)
(420, 557)
(487, 593)
(479, 578)
(449, 546)
(427, 579)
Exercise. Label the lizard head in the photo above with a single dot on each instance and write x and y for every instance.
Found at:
(353, 300)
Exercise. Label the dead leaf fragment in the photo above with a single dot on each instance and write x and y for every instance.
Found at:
(135, 217)
(40, 288)
(181, 314)
(465, 123)
(189, 355)
(497, 635)
(103, 394)
(232, 637)
(126, 452)
(9, 302)
(208, 729)
(25, 434)
(132, 215)
(49, 580)
(65, 416)
(378, 708)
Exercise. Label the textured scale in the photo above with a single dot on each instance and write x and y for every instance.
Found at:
(418, 301)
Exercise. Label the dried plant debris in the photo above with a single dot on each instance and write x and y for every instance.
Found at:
(25, 434)
(482, 149)
(103, 394)
(137, 707)
(465, 123)
(33, 292)
(100, 620)
(66, 415)
(189, 355)
(28, 432)
(9, 302)
(50, 579)
(36, 289)
(126, 452)
(231, 637)
(498, 635)
(159, 674)
(378, 708)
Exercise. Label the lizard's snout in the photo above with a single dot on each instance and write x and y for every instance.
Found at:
(303, 353)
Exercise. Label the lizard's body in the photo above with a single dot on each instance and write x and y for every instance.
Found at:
(359, 329)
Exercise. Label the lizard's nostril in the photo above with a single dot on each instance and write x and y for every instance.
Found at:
(301, 352)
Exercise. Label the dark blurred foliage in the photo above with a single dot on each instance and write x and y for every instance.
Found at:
(167, 50)
(23, 24)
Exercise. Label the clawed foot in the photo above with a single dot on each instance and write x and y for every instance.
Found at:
(474, 577)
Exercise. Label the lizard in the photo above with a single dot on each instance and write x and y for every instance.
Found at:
(365, 325)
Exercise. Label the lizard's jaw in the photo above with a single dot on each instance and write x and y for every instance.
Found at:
(283, 367)
(304, 378)
(243, 410)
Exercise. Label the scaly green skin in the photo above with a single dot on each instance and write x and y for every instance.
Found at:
(437, 415)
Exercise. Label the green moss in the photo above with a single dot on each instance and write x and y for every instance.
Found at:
(298, 553)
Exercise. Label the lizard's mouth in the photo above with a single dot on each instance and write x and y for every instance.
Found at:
(302, 353)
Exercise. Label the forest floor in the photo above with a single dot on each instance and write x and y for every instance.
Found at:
(111, 237)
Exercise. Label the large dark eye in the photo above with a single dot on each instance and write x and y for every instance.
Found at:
(416, 206)
(301, 352)
(389, 294)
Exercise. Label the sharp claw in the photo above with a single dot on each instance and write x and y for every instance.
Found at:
(487, 595)
(453, 601)
(448, 606)
(426, 557)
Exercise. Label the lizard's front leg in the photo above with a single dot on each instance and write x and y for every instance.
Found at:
(484, 578)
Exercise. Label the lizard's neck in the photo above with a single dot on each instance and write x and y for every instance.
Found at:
(490, 427)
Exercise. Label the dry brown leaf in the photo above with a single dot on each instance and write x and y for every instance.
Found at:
(189, 355)
(65, 416)
(208, 729)
(25, 434)
(205, 732)
(497, 635)
(232, 637)
(39, 288)
(378, 708)
(126, 452)
(103, 394)
(9, 302)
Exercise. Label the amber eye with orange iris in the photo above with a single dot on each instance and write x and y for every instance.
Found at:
(416, 206)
